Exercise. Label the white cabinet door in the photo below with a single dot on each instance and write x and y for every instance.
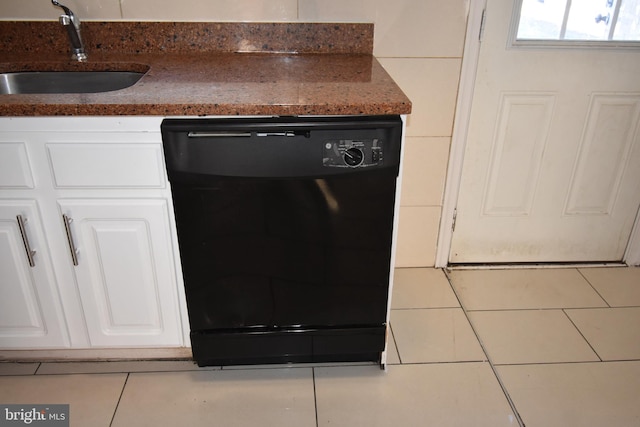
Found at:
(125, 271)
(30, 311)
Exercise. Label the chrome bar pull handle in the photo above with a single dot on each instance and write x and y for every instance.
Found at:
(25, 239)
(219, 134)
(67, 226)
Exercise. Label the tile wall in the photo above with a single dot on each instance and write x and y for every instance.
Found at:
(419, 42)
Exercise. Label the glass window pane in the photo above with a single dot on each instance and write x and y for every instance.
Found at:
(598, 21)
(541, 19)
(590, 20)
(628, 25)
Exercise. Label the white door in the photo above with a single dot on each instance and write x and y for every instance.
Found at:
(552, 164)
(30, 311)
(124, 270)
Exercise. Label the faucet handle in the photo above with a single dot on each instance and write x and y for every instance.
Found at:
(66, 10)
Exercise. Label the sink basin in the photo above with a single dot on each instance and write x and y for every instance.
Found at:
(66, 81)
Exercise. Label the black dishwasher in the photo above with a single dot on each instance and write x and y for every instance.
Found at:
(285, 232)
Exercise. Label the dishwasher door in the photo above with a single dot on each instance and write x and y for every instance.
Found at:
(285, 235)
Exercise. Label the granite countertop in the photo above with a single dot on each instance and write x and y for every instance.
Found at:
(198, 69)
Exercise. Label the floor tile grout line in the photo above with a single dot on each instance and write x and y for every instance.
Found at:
(445, 362)
(113, 417)
(423, 308)
(505, 392)
(572, 362)
(395, 343)
(315, 395)
(593, 287)
(581, 362)
(545, 309)
(53, 374)
(615, 307)
(582, 335)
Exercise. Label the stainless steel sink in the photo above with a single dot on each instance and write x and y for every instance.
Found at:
(33, 82)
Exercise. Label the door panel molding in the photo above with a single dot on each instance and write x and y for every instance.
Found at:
(123, 271)
(18, 296)
(510, 191)
(609, 134)
(15, 166)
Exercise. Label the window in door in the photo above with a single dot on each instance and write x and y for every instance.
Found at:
(576, 22)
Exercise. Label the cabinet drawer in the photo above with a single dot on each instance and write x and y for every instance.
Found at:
(15, 170)
(106, 165)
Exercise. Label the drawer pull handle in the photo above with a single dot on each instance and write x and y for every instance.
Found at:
(219, 134)
(67, 226)
(25, 239)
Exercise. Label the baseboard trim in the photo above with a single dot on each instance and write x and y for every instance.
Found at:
(111, 354)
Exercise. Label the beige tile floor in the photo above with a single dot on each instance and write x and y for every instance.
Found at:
(545, 347)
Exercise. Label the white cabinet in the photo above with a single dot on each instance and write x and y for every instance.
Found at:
(124, 270)
(30, 310)
(98, 185)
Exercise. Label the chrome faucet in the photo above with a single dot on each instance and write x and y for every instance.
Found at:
(72, 24)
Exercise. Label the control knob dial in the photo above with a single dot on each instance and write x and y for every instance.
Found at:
(353, 156)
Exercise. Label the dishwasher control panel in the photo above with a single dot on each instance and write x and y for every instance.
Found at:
(352, 153)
